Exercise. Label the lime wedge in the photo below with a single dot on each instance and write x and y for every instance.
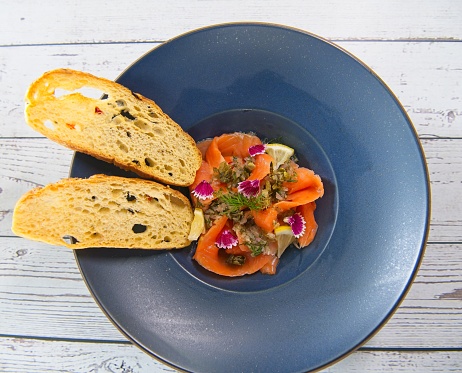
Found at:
(197, 225)
(280, 153)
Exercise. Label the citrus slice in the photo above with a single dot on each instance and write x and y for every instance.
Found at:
(284, 237)
(197, 225)
(280, 153)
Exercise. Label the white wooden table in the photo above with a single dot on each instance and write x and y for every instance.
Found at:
(49, 321)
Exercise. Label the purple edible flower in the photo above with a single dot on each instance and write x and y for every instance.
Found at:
(226, 240)
(203, 190)
(297, 223)
(257, 149)
(249, 188)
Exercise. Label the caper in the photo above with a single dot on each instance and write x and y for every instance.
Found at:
(235, 259)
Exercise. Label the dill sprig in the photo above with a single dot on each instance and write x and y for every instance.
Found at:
(237, 201)
(256, 247)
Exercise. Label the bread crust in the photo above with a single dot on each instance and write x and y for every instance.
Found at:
(119, 127)
(105, 211)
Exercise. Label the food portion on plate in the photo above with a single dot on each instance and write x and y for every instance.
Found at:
(118, 126)
(252, 200)
(105, 211)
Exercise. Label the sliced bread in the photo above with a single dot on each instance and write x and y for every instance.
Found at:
(118, 126)
(105, 211)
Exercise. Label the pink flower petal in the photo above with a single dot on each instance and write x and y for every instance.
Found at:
(249, 188)
(297, 223)
(257, 149)
(203, 190)
(226, 240)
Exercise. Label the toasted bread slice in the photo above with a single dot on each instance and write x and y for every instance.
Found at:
(119, 126)
(105, 211)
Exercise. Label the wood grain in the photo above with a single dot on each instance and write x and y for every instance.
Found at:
(43, 294)
(429, 92)
(433, 306)
(78, 357)
(61, 356)
(64, 22)
(445, 169)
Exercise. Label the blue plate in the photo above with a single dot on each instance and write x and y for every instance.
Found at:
(326, 300)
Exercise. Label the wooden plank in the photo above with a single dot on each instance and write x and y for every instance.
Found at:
(444, 163)
(34, 356)
(16, 73)
(399, 361)
(42, 294)
(90, 21)
(429, 92)
(37, 161)
(28, 356)
(32, 161)
(431, 314)
(26, 164)
(445, 169)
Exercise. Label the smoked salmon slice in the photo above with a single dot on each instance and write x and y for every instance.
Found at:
(204, 173)
(270, 267)
(214, 259)
(306, 189)
(262, 167)
(203, 146)
(265, 219)
(305, 178)
(213, 154)
(226, 146)
(299, 198)
(311, 226)
(236, 144)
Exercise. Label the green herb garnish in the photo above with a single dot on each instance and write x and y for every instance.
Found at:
(236, 201)
(256, 247)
